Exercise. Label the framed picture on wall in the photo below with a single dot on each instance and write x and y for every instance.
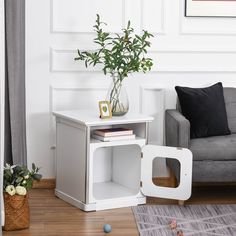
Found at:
(217, 8)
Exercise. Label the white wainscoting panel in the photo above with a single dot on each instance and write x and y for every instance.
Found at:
(194, 61)
(208, 26)
(78, 16)
(153, 16)
(62, 60)
(70, 98)
(131, 7)
(152, 102)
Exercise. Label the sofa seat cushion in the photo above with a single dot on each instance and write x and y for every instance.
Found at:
(214, 148)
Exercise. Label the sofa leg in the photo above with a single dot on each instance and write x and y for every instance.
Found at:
(181, 203)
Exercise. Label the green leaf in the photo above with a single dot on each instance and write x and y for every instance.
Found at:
(128, 24)
(37, 176)
(33, 166)
(29, 184)
(19, 179)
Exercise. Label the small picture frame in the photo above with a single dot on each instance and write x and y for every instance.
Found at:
(105, 109)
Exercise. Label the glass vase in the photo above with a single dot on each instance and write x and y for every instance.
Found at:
(118, 97)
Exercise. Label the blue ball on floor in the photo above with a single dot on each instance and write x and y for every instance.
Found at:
(107, 228)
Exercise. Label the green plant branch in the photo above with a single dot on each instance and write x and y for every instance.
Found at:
(122, 54)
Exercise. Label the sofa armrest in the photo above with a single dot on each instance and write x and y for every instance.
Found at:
(177, 129)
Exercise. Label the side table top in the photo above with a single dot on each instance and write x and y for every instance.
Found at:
(91, 118)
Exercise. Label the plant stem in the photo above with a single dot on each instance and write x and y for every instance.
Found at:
(117, 106)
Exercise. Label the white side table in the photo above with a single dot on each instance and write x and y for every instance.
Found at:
(96, 175)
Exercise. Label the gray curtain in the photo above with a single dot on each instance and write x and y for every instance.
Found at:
(15, 122)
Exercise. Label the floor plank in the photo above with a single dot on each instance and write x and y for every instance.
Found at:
(51, 216)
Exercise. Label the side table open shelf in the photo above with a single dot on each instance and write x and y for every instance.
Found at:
(97, 175)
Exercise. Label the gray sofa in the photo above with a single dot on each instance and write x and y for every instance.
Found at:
(214, 158)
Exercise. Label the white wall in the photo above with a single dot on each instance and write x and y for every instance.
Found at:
(186, 51)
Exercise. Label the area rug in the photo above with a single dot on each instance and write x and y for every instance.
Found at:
(197, 220)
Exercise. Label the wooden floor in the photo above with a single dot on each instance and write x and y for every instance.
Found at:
(51, 216)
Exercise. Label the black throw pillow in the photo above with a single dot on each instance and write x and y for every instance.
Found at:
(205, 110)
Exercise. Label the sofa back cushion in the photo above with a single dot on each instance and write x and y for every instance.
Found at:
(230, 104)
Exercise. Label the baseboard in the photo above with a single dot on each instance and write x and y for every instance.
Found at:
(45, 184)
(51, 183)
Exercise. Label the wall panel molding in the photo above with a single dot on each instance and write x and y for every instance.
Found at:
(62, 60)
(146, 8)
(88, 90)
(71, 23)
(192, 60)
(152, 102)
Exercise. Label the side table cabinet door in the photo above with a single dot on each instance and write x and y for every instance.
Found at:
(184, 156)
